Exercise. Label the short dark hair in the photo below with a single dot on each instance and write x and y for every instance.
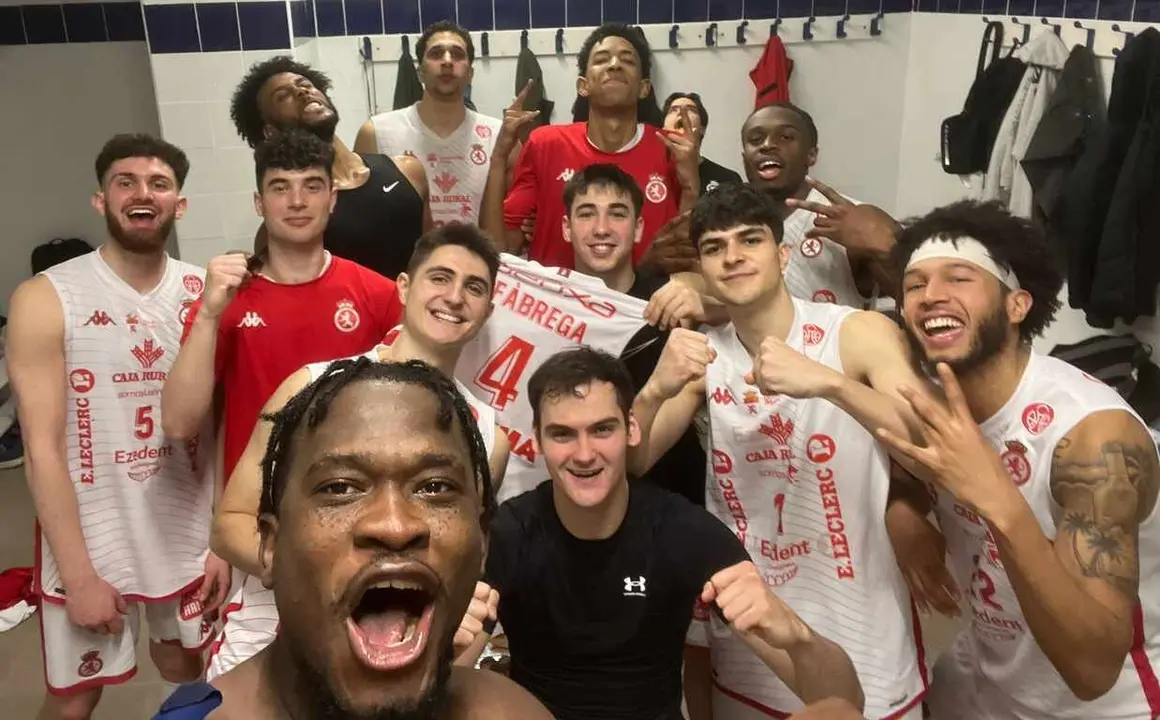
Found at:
(702, 111)
(132, 145)
(605, 175)
(244, 108)
(805, 117)
(1016, 244)
(563, 372)
(465, 236)
(292, 150)
(734, 204)
(309, 406)
(633, 35)
(444, 26)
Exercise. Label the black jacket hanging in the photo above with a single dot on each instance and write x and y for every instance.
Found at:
(408, 88)
(528, 68)
(1110, 211)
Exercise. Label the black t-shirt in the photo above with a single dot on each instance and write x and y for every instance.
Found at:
(713, 175)
(682, 469)
(596, 628)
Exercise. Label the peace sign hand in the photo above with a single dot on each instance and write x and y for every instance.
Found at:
(956, 453)
(515, 120)
(861, 229)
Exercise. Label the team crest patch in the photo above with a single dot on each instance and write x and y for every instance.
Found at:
(183, 313)
(91, 664)
(478, 154)
(1016, 463)
(483, 132)
(346, 317)
(821, 448)
(1037, 417)
(812, 334)
(193, 284)
(825, 296)
(656, 191)
(811, 247)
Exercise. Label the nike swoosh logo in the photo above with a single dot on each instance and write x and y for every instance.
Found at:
(388, 188)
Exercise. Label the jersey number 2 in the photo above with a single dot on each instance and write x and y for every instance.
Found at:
(500, 375)
(143, 430)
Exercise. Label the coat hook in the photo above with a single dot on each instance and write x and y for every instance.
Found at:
(523, 40)
(808, 28)
(876, 24)
(842, 26)
(1026, 30)
(741, 39)
(560, 41)
(1091, 34)
(673, 36)
(711, 35)
(406, 45)
(484, 49)
(367, 51)
(1053, 26)
(1127, 38)
(775, 27)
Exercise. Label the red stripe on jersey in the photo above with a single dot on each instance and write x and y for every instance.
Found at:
(1148, 682)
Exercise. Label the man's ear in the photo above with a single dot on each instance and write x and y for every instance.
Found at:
(403, 284)
(582, 86)
(645, 86)
(98, 201)
(267, 538)
(633, 430)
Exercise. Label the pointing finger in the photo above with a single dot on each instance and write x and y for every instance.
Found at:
(829, 192)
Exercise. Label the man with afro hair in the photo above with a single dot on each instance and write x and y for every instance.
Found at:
(382, 205)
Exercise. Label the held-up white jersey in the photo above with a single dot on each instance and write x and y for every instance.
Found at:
(456, 165)
(996, 669)
(251, 617)
(818, 269)
(539, 311)
(145, 501)
(804, 486)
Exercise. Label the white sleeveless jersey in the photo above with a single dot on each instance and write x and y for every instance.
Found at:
(804, 486)
(484, 415)
(539, 311)
(456, 165)
(999, 659)
(818, 269)
(145, 501)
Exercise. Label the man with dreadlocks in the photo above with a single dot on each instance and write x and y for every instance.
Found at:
(376, 496)
(381, 208)
(446, 293)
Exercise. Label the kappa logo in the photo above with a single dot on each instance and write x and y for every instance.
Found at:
(634, 588)
(346, 317)
(251, 320)
(100, 318)
(566, 174)
(147, 353)
(445, 182)
(656, 191)
(780, 431)
(91, 664)
(722, 396)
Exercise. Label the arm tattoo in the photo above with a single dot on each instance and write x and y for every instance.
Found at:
(1104, 493)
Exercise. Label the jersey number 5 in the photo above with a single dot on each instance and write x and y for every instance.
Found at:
(500, 375)
(143, 430)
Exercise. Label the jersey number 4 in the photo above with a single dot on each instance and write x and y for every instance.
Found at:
(500, 375)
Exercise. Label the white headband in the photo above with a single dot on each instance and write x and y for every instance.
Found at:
(963, 248)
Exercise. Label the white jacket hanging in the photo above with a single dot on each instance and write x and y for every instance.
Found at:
(1005, 180)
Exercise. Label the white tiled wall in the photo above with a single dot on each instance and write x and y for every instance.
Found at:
(193, 99)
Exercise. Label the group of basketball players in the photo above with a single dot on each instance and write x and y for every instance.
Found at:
(321, 463)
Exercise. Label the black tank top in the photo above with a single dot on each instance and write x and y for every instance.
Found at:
(377, 223)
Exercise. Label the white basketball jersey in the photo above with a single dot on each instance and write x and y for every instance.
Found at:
(539, 311)
(1006, 673)
(818, 269)
(483, 413)
(145, 501)
(456, 165)
(804, 486)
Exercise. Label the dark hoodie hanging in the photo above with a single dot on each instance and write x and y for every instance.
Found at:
(528, 68)
(408, 88)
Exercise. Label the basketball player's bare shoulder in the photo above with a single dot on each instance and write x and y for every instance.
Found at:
(487, 695)
(414, 171)
(1105, 477)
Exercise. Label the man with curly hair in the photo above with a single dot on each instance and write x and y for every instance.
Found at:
(382, 201)
(1046, 484)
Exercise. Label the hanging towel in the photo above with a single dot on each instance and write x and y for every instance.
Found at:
(771, 74)
(408, 88)
(528, 68)
(17, 600)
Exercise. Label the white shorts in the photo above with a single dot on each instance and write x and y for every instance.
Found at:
(249, 624)
(76, 659)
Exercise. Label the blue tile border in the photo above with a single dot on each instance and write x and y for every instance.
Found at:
(217, 27)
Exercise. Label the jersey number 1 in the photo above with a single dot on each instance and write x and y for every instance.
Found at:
(779, 503)
(500, 375)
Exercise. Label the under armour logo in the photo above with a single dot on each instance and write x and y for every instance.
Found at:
(388, 188)
(634, 588)
(252, 320)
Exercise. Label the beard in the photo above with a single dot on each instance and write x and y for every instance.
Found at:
(139, 242)
(323, 129)
(321, 702)
(988, 342)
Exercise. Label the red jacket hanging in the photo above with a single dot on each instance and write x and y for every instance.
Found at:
(771, 74)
